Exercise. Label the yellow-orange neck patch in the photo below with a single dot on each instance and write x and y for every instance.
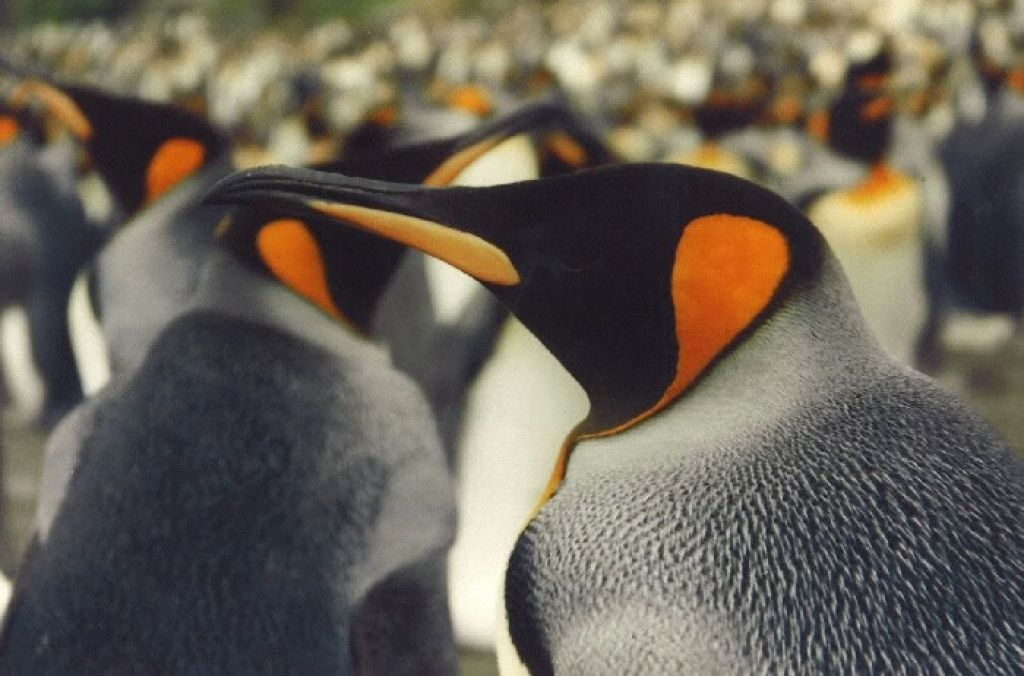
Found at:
(294, 257)
(9, 129)
(881, 180)
(726, 271)
(174, 161)
(472, 99)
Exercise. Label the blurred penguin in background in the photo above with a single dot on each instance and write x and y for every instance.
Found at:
(985, 162)
(870, 211)
(45, 239)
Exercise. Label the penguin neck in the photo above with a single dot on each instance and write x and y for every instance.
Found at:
(817, 336)
(228, 287)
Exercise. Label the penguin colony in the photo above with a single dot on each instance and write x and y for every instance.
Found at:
(752, 479)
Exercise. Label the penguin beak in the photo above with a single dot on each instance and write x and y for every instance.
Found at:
(395, 211)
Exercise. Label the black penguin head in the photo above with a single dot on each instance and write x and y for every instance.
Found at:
(141, 149)
(859, 125)
(637, 278)
(731, 108)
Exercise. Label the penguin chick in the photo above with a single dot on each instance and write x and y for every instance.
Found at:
(264, 494)
(757, 486)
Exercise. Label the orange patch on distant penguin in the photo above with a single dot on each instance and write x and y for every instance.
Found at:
(174, 161)
(9, 129)
(567, 149)
(726, 272)
(471, 99)
(881, 180)
(293, 256)
(876, 110)
(817, 125)
(1016, 79)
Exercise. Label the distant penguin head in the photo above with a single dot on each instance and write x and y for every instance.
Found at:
(859, 125)
(637, 278)
(729, 108)
(142, 149)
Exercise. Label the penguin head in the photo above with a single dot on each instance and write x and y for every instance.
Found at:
(859, 125)
(638, 278)
(731, 108)
(142, 149)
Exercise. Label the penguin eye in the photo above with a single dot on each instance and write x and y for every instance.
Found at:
(175, 160)
(292, 254)
(9, 129)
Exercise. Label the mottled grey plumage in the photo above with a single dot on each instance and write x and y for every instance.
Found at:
(811, 507)
(265, 494)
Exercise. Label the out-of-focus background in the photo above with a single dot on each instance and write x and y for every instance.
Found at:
(296, 81)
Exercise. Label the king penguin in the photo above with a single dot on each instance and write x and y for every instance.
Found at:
(264, 493)
(757, 486)
(45, 238)
(880, 219)
(156, 160)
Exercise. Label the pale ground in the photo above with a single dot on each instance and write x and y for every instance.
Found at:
(993, 383)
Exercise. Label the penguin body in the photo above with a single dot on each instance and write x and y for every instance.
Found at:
(276, 480)
(874, 223)
(757, 485)
(46, 239)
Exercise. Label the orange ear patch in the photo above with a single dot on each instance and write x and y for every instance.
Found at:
(173, 162)
(566, 149)
(471, 99)
(817, 125)
(876, 110)
(293, 256)
(9, 129)
(727, 269)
